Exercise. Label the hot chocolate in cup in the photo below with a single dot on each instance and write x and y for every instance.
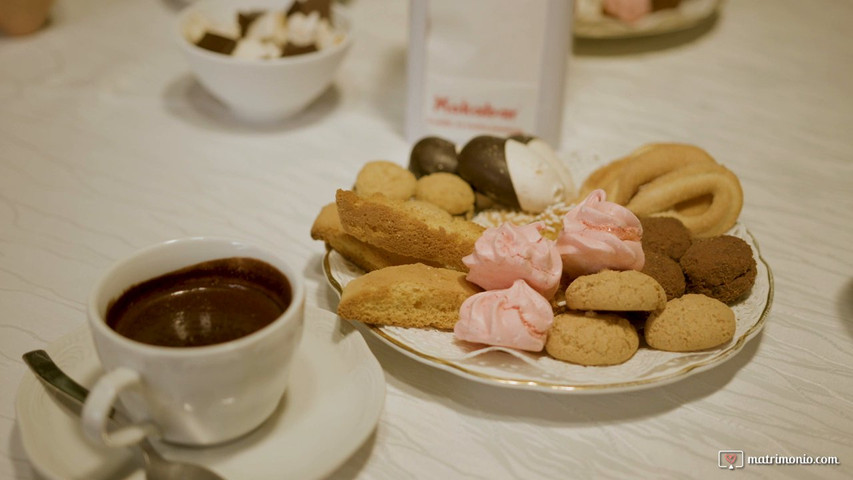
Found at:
(196, 338)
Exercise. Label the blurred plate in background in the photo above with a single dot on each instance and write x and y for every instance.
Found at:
(591, 22)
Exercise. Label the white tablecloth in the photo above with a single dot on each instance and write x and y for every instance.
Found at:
(108, 144)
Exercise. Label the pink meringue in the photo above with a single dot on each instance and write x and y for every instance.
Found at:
(508, 253)
(516, 317)
(599, 235)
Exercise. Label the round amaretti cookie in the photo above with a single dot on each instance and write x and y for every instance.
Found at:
(387, 178)
(666, 235)
(720, 267)
(667, 272)
(612, 290)
(689, 323)
(446, 190)
(592, 338)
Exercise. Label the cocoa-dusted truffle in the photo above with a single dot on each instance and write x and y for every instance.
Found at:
(720, 267)
(433, 155)
(667, 272)
(666, 235)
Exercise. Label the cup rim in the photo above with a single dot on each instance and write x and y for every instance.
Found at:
(290, 315)
(338, 10)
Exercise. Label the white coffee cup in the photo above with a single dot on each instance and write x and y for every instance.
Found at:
(199, 395)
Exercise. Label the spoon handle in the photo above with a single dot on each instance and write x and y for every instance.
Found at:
(50, 374)
(57, 380)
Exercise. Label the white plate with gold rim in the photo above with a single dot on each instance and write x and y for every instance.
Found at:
(591, 23)
(332, 405)
(511, 368)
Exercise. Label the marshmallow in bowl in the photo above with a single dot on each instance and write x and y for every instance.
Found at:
(253, 48)
(303, 28)
(269, 25)
(327, 36)
(197, 25)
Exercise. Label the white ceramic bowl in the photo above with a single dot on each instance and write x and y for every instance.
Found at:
(262, 90)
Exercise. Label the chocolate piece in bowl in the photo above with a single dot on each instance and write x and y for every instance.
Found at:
(291, 49)
(245, 19)
(217, 43)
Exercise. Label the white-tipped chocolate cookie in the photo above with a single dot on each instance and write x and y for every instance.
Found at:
(512, 173)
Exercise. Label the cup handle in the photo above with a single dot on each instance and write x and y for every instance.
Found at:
(99, 405)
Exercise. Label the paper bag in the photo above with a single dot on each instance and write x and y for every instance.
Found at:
(487, 67)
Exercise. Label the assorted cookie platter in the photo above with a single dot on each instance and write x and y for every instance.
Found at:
(427, 259)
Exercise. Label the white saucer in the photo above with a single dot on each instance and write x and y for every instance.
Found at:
(331, 407)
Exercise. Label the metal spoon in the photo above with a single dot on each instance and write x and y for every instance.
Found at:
(156, 467)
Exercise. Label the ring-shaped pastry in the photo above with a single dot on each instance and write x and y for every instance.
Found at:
(662, 196)
(622, 178)
(650, 162)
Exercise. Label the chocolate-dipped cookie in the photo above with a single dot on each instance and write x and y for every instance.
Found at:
(511, 173)
(546, 152)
